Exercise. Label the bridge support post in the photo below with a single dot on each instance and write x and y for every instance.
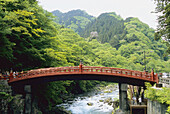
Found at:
(28, 103)
(123, 100)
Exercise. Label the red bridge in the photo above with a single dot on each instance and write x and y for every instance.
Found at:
(81, 72)
(25, 83)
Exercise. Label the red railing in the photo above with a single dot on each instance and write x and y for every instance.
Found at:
(151, 77)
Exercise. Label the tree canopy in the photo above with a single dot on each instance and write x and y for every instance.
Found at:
(163, 29)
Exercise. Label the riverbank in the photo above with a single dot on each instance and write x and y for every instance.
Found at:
(100, 96)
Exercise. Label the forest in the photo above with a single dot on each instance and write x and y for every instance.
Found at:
(31, 37)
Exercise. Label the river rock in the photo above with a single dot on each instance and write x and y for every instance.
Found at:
(70, 99)
(102, 94)
(101, 100)
(115, 104)
(108, 91)
(59, 110)
(110, 103)
(108, 100)
(82, 98)
(89, 104)
(100, 105)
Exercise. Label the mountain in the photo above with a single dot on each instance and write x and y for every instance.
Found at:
(113, 29)
(109, 26)
(129, 36)
(75, 19)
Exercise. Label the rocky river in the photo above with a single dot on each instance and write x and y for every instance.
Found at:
(95, 102)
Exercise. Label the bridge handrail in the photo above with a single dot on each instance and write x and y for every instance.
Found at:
(111, 68)
(116, 71)
(84, 69)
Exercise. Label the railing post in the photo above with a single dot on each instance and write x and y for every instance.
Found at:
(130, 73)
(157, 80)
(91, 69)
(80, 66)
(11, 76)
(152, 75)
(100, 69)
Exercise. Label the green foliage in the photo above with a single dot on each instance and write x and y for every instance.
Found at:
(163, 29)
(131, 38)
(27, 33)
(161, 95)
(75, 19)
(109, 27)
(5, 96)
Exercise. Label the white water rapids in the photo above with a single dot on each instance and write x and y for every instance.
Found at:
(80, 104)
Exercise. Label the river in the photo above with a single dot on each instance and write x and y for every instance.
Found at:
(93, 102)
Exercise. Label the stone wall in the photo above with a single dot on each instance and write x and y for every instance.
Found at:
(10, 104)
(154, 107)
(6, 90)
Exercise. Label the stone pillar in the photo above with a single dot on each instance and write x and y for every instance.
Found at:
(143, 94)
(123, 100)
(28, 104)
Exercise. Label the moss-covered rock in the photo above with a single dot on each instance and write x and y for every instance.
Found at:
(90, 104)
(108, 100)
(108, 91)
(59, 110)
(101, 100)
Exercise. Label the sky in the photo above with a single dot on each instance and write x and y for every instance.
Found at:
(125, 8)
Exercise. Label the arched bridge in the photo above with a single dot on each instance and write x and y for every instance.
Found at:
(81, 72)
(25, 83)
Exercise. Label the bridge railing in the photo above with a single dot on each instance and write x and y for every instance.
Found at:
(50, 71)
(117, 71)
(42, 71)
(82, 69)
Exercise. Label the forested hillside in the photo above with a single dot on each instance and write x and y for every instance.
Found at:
(113, 29)
(109, 26)
(75, 19)
(30, 39)
(130, 38)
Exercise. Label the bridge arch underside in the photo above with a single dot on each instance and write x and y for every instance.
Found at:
(99, 77)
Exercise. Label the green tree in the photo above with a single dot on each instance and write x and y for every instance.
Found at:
(163, 29)
(27, 35)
